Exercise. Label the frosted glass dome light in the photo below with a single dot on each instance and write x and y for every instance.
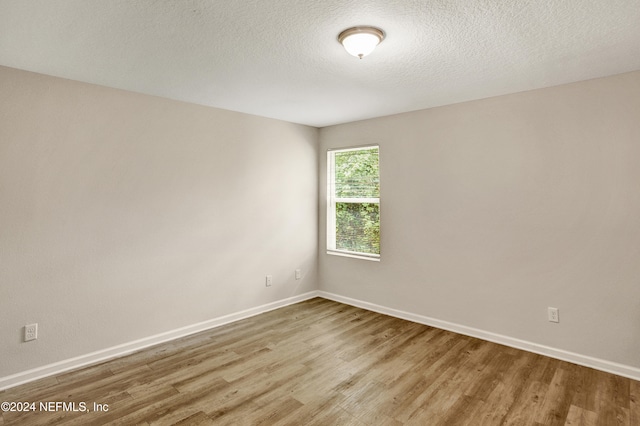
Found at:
(360, 41)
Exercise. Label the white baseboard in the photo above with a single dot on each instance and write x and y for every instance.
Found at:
(127, 348)
(575, 358)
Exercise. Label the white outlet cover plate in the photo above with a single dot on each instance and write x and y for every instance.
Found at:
(30, 332)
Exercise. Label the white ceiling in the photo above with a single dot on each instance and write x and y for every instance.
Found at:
(280, 58)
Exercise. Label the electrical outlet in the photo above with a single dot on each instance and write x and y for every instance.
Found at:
(298, 274)
(554, 315)
(268, 280)
(30, 332)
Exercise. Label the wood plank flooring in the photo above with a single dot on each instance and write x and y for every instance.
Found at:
(324, 363)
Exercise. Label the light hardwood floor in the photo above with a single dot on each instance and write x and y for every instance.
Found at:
(324, 363)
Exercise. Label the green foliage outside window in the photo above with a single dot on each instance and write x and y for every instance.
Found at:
(357, 223)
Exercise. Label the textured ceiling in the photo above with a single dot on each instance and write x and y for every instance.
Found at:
(280, 59)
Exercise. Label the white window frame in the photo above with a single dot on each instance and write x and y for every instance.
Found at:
(332, 201)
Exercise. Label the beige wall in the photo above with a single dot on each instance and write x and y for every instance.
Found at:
(494, 210)
(123, 216)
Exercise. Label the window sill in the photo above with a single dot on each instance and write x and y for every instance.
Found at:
(374, 258)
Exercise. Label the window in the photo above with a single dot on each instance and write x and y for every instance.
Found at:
(353, 202)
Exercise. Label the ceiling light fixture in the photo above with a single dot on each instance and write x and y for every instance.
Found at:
(360, 41)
